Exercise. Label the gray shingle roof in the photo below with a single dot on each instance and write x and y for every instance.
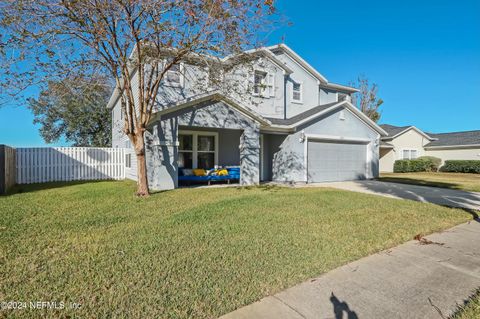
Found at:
(301, 116)
(393, 130)
(455, 138)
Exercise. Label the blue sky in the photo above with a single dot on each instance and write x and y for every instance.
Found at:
(424, 55)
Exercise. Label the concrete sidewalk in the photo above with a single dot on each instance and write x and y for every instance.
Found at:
(412, 280)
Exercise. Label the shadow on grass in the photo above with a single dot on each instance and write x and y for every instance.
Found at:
(31, 188)
(419, 182)
(262, 187)
(466, 201)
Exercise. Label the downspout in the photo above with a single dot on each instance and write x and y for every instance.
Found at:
(285, 78)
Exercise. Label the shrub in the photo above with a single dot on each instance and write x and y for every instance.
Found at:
(433, 163)
(400, 166)
(461, 166)
(421, 164)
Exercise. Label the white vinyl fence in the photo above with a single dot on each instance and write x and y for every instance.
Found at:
(50, 164)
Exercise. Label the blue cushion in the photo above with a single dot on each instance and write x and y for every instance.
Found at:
(233, 173)
(193, 178)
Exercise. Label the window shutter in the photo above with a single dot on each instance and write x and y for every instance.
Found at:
(271, 84)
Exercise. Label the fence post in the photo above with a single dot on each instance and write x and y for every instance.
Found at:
(7, 168)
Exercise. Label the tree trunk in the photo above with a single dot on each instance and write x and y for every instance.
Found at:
(142, 180)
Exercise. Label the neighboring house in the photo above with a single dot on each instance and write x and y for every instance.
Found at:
(409, 142)
(290, 124)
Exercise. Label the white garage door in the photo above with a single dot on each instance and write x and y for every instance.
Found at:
(336, 161)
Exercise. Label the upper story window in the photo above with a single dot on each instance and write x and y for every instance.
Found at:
(263, 84)
(297, 92)
(174, 75)
(409, 154)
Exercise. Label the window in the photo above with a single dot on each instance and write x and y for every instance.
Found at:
(197, 150)
(174, 76)
(128, 160)
(297, 92)
(409, 154)
(185, 151)
(263, 84)
(205, 151)
(259, 85)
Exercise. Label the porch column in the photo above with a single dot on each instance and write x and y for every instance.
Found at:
(162, 155)
(250, 156)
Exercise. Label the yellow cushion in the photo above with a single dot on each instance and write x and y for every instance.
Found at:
(199, 172)
(222, 172)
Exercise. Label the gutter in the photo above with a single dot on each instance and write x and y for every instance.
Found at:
(343, 88)
(440, 147)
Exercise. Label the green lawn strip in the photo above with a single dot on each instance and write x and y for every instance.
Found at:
(189, 252)
(460, 181)
(471, 310)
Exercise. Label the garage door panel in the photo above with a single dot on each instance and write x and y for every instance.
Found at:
(336, 161)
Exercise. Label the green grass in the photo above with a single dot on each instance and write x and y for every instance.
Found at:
(460, 181)
(188, 253)
(471, 310)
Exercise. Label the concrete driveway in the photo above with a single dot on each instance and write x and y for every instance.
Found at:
(435, 195)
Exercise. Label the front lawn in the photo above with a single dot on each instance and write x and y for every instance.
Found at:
(471, 310)
(188, 253)
(461, 181)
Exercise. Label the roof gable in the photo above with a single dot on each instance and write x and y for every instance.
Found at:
(299, 60)
(396, 131)
(320, 110)
(322, 80)
(210, 96)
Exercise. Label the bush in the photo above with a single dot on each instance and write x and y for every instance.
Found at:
(432, 162)
(421, 164)
(460, 166)
(401, 166)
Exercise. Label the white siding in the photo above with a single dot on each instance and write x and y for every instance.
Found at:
(327, 96)
(131, 172)
(309, 87)
(455, 154)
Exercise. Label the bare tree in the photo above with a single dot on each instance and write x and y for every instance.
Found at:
(366, 99)
(50, 39)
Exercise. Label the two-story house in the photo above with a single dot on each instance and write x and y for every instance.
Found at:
(275, 117)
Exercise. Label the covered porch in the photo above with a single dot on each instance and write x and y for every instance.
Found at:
(208, 155)
(209, 136)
